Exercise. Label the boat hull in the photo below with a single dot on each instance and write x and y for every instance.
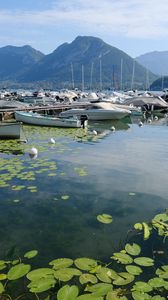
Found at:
(39, 120)
(97, 114)
(10, 130)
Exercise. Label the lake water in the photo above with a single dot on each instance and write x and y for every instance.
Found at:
(50, 203)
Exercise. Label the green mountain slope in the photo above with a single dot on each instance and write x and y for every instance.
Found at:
(15, 61)
(88, 61)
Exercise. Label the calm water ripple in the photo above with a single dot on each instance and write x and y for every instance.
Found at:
(50, 203)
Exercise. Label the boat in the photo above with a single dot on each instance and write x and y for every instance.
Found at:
(98, 111)
(10, 130)
(45, 120)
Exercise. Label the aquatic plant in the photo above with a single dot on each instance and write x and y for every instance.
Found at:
(128, 275)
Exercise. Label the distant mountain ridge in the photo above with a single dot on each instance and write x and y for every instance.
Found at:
(14, 61)
(87, 61)
(156, 62)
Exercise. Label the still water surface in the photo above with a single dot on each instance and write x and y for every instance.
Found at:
(50, 203)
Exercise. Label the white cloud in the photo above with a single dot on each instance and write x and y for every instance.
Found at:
(138, 19)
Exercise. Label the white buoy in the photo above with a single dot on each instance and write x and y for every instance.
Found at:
(33, 152)
(113, 128)
(94, 132)
(52, 141)
(140, 124)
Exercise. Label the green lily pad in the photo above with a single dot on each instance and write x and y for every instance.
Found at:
(66, 274)
(105, 274)
(114, 295)
(68, 292)
(140, 296)
(141, 286)
(61, 263)
(138, 226)
(144, 261)
(1, 288)
(122, 258)
(31, 254)
(133, 249)
(146, 231)
(40, 273)
(89, 297)
(134, 270)
(41, 285)
(124, 278)
(99, 289)
(160, 218)
(85, 278)
(105, 218)
(85, 264)
(162, 272)
(156, 282)
(18, 271)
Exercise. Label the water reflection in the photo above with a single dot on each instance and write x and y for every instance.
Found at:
(52, 202)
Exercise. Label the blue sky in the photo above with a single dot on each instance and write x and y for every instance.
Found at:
(134, 26)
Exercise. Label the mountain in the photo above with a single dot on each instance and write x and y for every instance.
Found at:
(87, 61)
(156, 62)
(14, 61)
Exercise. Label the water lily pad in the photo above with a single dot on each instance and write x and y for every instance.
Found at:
(122, 258)
(65, 274)
(3, 276)
(61, 263)
(18, 271)
(1, 288)
(162, 272)
(115, 295)
(138, 226)
(88, 297)
(85, 278)
(68, 292)
(141, 286)
(134, 270)
(41, 285)
(140, 296)
(144, 261)
(31, 254)
(99, 289)
(156, 282)
(40, 273)
(146, 230)
(85, 264)
(105, 218)
(133, 249)
(124, 278)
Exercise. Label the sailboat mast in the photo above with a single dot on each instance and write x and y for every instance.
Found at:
(72, 76)
(121, 75)
(133, 74)
(83, 84)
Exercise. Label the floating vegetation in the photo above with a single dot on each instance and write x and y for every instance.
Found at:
(86, 278)
(105, 218)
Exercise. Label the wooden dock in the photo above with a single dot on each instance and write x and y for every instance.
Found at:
(5, 112)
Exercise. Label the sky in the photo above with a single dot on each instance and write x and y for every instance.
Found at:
(133, 26)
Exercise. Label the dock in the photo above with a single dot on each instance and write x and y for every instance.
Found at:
(5, 112)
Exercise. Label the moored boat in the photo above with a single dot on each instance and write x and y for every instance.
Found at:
(10, 130)
(98, 111)
(41, 120)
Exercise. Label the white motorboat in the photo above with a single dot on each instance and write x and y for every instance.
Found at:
(10, 130)
(41, 120)
(98, 111)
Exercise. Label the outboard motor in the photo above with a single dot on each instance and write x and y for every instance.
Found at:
(84, 120)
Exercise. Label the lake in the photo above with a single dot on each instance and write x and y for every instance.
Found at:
(50, 203)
